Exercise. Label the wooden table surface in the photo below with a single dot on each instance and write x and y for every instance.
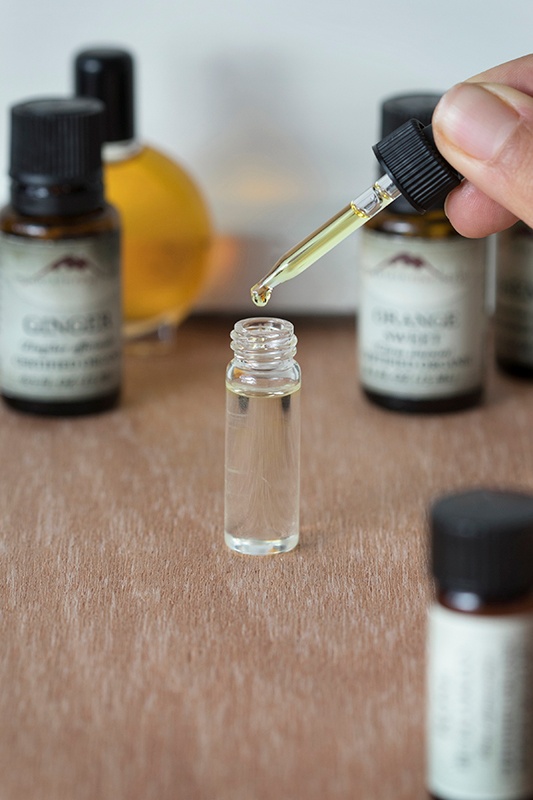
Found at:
(140, 658)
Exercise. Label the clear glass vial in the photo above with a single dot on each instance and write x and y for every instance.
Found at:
(262, 471)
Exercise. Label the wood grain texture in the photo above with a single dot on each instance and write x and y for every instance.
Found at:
(141, 658)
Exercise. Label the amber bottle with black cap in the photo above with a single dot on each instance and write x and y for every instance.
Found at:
(422, 308)
(480, 647)
(60, 303)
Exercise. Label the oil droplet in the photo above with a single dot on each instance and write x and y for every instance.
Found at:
(260, 294)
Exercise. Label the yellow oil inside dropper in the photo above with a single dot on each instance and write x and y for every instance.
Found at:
(325, 238)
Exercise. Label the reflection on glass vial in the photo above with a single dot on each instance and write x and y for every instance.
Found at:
(262, 475)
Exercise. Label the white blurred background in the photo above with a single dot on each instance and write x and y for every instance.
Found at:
(273, 107)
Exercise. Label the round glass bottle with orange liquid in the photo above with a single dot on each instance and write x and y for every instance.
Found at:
(165, 221)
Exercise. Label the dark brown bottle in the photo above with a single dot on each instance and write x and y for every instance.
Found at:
(60, 304)
(513, 318)
(422, 315)
(480, 649)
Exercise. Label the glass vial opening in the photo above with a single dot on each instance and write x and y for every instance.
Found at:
(263, 342)
(262, 466)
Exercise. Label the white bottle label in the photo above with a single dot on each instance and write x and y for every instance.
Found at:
(60, 317)
(514, 295)
(422, 318)
(480, 706)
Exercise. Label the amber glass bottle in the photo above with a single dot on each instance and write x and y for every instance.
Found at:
(513, 335)
(422, 307)
(166, 224)
(480, 648)
(60, 309)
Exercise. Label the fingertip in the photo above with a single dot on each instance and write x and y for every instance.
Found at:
(476, 119)
(485, 131)
(474, 215)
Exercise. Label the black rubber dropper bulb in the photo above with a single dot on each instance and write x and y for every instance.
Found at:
(410, 158)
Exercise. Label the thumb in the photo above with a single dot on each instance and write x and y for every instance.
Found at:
(485, 130)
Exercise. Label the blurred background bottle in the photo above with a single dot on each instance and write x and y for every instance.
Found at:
(514, 301)
(479, 719)
(165, 221)
(60, 307)
(422, 303)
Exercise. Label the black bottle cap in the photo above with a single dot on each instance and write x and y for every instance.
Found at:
(108, 75)
(56, 155)
(397, 110)
(482, 542)
(410, 158)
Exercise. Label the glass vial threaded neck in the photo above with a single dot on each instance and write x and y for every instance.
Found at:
(263, 342)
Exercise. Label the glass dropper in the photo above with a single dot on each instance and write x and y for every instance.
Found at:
(325, 238)
(414, 168)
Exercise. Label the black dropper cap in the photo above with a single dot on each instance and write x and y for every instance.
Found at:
(410, 158)
(56, 156)
(397, 110)
(482, 542)
(107, 74)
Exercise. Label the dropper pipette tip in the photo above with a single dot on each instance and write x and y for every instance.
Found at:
(261, 294)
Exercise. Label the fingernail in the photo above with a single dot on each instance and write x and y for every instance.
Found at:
(476, 120)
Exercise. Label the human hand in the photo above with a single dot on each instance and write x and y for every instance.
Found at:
(484, 128)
